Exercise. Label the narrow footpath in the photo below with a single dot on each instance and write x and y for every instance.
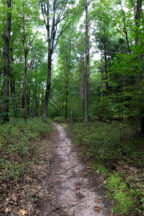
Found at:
(69, 191)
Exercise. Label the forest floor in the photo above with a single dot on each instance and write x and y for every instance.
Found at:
(60, 184)
(70, 191)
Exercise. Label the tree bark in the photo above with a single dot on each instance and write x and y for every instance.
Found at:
(48, 86)
(106, 71)
(86, 63)
(24, 85)
(7, 64)
(13, 94)
(25, 69)
(66, 87)
(59, 13)
(138, 15)
(137, 23)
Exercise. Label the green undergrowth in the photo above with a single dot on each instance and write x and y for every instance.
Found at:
(18, 144)
(59, 119)
(115, 151)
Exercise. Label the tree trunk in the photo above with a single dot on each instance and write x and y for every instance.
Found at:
(66, 87)
(102, 85)
(28, 102)
(86, 63)
(82, 83)
(137, 19)
(137, 23)
(138, 15)
(36, 106)
(24, 86)
(25, 69)
(142, 124)
(12, 86)
(106, 72)
(48, 86)
(7, 65)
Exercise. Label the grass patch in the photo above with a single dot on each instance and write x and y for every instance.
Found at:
(113, 149)
(59, 119)
(18, 146)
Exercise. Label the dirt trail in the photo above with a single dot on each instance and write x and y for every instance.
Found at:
(69, 191)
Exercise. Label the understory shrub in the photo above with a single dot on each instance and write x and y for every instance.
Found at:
(112, 148)
(17, 145)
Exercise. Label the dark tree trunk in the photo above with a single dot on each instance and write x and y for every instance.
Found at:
(7, 65)
(106, 72)
(12, 85)
(142, 124)
(137, 19)
(28, 102)
(82, 83)
(48, 86)
(66, 87)
(138, 14)
(59, 12)
(125, 28)
(24, 86)
(66, 100)
(36, 106)
(25, 69)
(13, 93)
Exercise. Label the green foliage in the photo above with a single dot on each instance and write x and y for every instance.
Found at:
(18, 145)
(121, 194)
(60, 119)
(112, 144)
(101, 139)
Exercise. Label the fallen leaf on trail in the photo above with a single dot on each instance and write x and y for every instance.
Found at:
(23, 212)
(97, 208)
(97, 201)
(77, 188)
(111, 214)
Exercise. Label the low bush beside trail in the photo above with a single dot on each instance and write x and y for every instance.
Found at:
(115, 151)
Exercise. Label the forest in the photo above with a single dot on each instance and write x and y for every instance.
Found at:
(80, 64)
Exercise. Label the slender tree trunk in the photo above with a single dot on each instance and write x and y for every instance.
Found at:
(137, 19)
(12, 86)
(13, 94)
(28, 102)
(48, 83)
(7, 64)
(86, 63)
(102, 85)
(71, 107)
(48, 86)
(82, 83)
(24, 86)
(106, 72)
(138, 16)
(125, 28)
(66, 87)
(36, 106)
(137, 42)
(25, 69)
(52, 23)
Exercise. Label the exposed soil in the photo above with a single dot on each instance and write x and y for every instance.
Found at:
(71, 192)
(60, 185)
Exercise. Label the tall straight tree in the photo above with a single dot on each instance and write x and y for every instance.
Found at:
(54, 12)
(6, 56)
(138, 14)
(86, 63)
